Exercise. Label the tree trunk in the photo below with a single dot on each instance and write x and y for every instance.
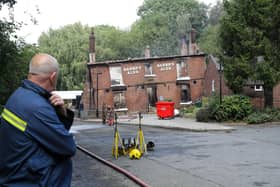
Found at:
(268, 97)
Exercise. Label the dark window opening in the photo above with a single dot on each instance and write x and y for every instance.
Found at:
(185, 93)
(152, 95)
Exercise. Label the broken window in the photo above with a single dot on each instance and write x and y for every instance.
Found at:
(148, 69)
(116, 75)
(119, 100)
(181, 67)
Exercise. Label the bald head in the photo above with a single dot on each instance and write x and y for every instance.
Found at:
(43, 70)
(43, 64)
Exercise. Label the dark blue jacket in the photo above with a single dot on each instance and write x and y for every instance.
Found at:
(40, 154)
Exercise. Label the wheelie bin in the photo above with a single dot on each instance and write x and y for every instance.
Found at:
(165, 110)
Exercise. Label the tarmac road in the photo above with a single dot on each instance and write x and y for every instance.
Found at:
(89, 172)
(248, 156)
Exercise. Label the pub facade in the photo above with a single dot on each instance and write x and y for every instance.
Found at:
(135, 85)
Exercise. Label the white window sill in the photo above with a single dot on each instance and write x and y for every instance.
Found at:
(186, 103)
(152, 75)
(183, 78)
(121, 110)
(117, 85)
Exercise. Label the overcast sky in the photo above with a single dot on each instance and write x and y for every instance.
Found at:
(57, 13)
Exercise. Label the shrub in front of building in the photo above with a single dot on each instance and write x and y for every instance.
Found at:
(258, 117)
(209, 105)
(189, 112)
(188, 109)
(232, 108)
(203, 115)
(264, 116)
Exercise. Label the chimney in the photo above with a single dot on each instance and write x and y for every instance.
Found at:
(92, 47)
(193, 35)
(147, 52)
(193, 47)
(190, 44)
(184, 47)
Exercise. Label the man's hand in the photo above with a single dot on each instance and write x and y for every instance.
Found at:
(58, 102)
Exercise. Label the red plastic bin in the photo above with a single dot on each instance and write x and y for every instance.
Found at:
(165, 109)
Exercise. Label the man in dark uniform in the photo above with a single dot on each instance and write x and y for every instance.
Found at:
(35, 144)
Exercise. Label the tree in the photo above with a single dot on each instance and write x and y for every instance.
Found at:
(153, 31)
(14, 66)
(250, 31)
(14, 55)
(69, 44)
(113, 43)
(216, 13)
(158, 24)
(209, 40)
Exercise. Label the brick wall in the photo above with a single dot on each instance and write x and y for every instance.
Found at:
(211, 74)
(276, 96)
(257, 102)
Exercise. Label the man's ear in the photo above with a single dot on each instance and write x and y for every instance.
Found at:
(53, 79)
(53, 76)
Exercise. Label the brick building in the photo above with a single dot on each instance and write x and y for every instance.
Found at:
(253, 89)
(213, 74)
(276, 96)
(137, 84)
(214, 78)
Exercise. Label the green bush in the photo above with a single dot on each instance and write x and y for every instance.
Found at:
(276, 116)
(189, 112)
(213, 102)
(235, 107)
(274, 112)
(205, 101)
(189, 109)
(209, 105)
(263, 116)
(259, 117)
(203, 115)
